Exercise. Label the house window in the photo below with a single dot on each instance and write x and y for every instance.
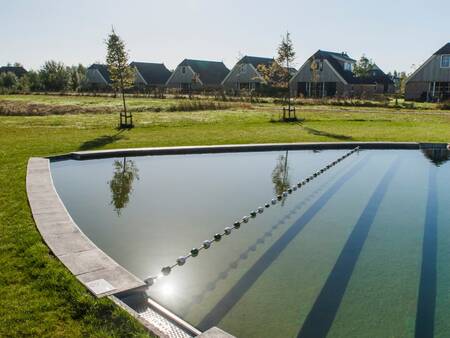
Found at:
(445, 61)
(183, 70)
(348, 66)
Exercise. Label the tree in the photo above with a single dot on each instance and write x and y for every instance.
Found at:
(77, 77)
(121, 185)
(8, 80)
(402, 82)
(273, 75)
(54, 76)
(280, 176)
(286, 55)
(34, 81)
(363, 67)
(121, 74)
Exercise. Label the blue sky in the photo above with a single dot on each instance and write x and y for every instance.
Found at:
(396, 34)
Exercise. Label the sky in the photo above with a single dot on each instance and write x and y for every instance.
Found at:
(396, 34)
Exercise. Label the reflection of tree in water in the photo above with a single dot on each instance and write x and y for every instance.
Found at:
(121, 184)
(438, 156)
(280, 176)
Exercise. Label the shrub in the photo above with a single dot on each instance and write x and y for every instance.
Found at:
(197, 105)
(444, 105)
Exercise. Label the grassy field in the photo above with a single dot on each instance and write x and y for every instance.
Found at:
(39, 297)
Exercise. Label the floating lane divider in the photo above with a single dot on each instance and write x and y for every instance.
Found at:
(180, 261)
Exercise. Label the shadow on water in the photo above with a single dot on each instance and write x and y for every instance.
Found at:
(223, 275)
(321, 317)
(101, 141)
(272, 253)
(437, 156)
(428, 276)
(121, 184)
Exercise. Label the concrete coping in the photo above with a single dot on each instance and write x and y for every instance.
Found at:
(92, 267)
(86, 155)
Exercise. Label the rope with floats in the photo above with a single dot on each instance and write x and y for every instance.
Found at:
(180, 261)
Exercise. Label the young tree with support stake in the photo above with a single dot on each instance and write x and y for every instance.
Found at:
(121, 74)
(286, 55)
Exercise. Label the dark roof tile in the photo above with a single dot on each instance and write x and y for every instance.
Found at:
(377, 76)
(444, 50)
(18, 71)
(153, 73)
(103, 69)
(210, 72)
(255, 61)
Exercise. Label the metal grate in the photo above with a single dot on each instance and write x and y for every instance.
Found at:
(160, 322)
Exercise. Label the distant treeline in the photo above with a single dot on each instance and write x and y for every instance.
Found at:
(52, 77)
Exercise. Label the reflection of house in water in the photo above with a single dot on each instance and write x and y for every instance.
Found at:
(121, 184)
(438, 156)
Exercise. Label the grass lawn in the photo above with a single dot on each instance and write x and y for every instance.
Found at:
(38, 295)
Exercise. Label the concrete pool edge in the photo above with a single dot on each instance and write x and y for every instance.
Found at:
(231, 148)
(98, 272)
(92, 267)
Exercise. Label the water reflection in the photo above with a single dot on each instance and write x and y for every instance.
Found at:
(223, 275)
(121, 184)
(280, 176)
(438, 156)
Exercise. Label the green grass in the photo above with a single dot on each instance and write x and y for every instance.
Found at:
(38, 295)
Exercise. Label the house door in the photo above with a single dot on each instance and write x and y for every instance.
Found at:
(330, 89)
(301, 89)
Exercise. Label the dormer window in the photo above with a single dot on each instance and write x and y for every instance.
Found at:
(348, 66)
(445, 61)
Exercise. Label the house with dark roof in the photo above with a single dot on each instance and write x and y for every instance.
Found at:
(97, 76)
(328, 74)
(18, 71)
(197, 74)
(150, 75)
(431, 81)
(245, 74)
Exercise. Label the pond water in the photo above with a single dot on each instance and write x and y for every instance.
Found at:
(361, 251)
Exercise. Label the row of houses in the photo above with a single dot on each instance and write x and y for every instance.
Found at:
(324, 74)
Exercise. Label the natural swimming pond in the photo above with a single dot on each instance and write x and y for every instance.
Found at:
(361, 251)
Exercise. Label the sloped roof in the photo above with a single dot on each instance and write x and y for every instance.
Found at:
(444, 50)
(18, 71)
(342, 55)
(153, 73)
(103, 69)
(377, 75)
(210, 72)
(255, 61)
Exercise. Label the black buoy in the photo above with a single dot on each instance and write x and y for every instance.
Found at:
(194, 252)
(217, 237)
(166, 270)
(181, 260)
(237, 225)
